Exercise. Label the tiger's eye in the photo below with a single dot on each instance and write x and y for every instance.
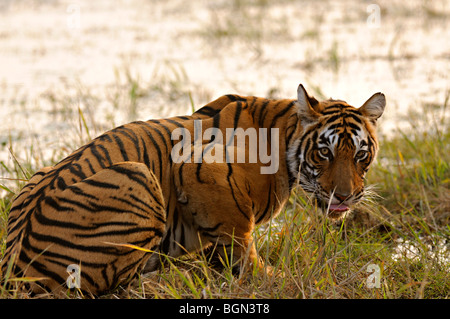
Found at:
(360, 155)
(325, 152)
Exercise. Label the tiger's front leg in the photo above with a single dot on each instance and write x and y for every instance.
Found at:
(221, 207)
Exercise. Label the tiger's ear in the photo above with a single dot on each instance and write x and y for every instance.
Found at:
(306, 106)
(373, 108)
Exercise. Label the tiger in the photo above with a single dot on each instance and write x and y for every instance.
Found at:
(116, 206)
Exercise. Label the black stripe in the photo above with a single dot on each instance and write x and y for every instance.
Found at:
(61, 183)
(175, 122)
(106, 152)
(40, 267)
(305, 137)
(97, 155)
(70, 260)
(145, 152)
(109, 223)
(333, 118)
(266, 209)
(128, 132)
(281, 113)
(90, 165)
(207, 110)
(105, 185)
(43, 220)
(24, 192)
(68, 244)
(208, 231)
(160, 134)
(237, 115)
(131, 204)
(39, 173)
(235, 200)
(261, 110)
(251, 103)
(182, 239)
(93, 208)
(234, 98)
(159, 155)
(83, 274)
(175, 219)
(354, 127)
(160, 215)
(133, 176)
(76, 169)
(17, 225)
(119, 143)
(78, 191)
(290, 128)
(335, 108)
(354, 117)
(180, 174)
(165, 244)
(216, 121)
(54, 204)
(197, 173)
(126, 231)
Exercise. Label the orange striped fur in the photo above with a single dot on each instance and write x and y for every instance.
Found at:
(124, 187)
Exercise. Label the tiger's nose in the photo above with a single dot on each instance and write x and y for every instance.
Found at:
(342, 197)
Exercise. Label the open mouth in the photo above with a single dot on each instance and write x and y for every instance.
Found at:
(337, 210)
(333, 211)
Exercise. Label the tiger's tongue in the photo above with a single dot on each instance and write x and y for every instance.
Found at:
(338, 208)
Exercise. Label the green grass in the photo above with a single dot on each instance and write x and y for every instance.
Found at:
(403, 228)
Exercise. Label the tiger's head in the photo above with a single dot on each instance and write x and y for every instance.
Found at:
(335, 149)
